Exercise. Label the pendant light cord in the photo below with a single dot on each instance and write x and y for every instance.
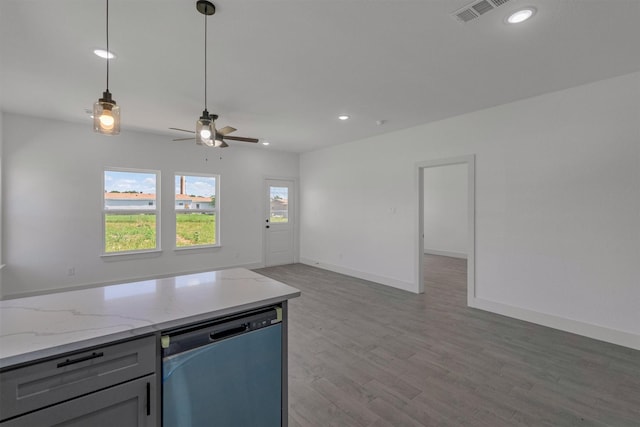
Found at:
(108, 52)
(205, 61)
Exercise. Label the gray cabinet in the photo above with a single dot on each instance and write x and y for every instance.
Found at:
(95, 387)
(126, 405)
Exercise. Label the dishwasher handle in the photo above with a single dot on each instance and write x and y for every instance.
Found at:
(228, 332)
(197, 335)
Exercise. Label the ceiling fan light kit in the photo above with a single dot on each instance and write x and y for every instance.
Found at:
(205, 130)
(106, 114)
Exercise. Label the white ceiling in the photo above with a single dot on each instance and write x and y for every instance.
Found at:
(283, 70)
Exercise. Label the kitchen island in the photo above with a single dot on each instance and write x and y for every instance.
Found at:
(65, 350)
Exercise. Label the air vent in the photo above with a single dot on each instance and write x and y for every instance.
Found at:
(483, 7)
(466, 15)
(476, 9)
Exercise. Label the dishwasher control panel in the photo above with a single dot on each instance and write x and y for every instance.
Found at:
(197, 335)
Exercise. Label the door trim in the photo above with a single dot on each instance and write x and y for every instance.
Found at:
(470, 161)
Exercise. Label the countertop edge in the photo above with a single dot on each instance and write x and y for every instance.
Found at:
(16, 361)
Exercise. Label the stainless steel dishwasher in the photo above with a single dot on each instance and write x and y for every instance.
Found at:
(227, 372)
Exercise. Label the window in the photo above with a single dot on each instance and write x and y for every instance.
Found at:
(279, 204)
(197, 206)
(130, 214)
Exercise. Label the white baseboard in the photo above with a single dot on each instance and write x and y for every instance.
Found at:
(394, 283)
(445, 253)
(614, 336)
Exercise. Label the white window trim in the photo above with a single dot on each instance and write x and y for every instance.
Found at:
(156, 210)
(215, 210)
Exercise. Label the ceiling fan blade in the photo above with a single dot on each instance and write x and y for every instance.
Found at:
(183, 130)
(226, 130)
(219, 142)
(184, 139)
(240, 138)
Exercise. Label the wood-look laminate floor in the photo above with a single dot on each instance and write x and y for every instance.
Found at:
(362, 354)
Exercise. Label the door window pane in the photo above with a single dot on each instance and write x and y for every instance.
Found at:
(279, 204)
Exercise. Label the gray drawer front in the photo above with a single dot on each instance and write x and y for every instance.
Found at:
(46, 383)
(130, 404)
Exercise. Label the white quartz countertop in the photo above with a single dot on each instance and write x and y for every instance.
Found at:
(47, 325)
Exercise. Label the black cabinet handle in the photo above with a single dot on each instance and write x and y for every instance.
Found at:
(148, 399)
(266, 226)
(68, 362)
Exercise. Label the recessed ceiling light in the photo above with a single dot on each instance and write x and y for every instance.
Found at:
(521, 15)
(265, 142)
(344, 117)
(104, 54)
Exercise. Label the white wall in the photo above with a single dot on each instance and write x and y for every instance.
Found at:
(1, 175)
(445, 210)
(60, 165)
(557, 206)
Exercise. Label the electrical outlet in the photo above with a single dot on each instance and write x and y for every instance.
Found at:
(71, 271)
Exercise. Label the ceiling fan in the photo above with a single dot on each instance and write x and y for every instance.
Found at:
(210, 136)
(206, 132)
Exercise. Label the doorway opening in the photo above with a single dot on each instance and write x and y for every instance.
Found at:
(446, 222)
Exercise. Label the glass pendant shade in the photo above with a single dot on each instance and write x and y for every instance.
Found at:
(205, 130)
(106, 115)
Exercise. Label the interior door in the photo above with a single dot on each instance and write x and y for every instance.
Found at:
(280, 222)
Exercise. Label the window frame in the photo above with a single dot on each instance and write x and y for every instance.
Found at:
(156, 211)
(215, 210)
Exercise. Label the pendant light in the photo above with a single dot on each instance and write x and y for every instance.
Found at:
(106, 114)
(205, 126)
